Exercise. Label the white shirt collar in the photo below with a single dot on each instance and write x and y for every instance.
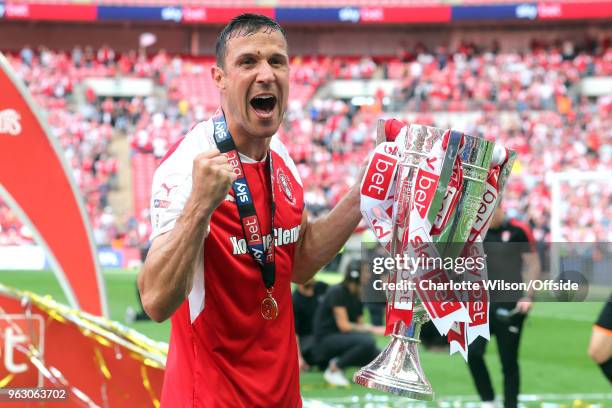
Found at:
(246, 159)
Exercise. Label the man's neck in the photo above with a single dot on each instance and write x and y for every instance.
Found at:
(253, 148)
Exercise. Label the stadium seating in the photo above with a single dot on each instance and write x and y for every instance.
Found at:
(549, 127)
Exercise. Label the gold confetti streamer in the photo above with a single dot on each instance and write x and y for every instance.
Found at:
(147, 384)
(6, 380)
(102, 364)
(102, 330)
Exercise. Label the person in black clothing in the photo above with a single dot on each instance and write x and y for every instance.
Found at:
(510, 248)
(306, 298)
(600, 346)
(342, 339)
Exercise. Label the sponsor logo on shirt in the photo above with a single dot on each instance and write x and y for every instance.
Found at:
(168, 188)
(161, 203)
(286, 186)
(10, 122)
(282, 236)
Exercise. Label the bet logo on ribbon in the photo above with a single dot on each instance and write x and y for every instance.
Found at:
(37, 184)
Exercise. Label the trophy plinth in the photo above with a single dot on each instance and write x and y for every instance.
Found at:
(397, 369)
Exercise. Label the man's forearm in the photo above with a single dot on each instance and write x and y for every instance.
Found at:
(324, 237)
(167, 275)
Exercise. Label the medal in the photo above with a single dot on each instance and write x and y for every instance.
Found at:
(269, 307)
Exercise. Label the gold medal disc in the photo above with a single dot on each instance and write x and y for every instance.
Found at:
(269, 308)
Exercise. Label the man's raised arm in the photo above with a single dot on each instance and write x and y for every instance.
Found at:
(167, 275)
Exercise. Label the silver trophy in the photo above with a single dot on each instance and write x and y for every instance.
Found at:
(398, 369)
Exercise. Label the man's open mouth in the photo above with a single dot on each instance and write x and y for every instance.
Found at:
(263, 104)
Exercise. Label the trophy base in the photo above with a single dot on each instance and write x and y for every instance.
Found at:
(397, 370)
(414, 390)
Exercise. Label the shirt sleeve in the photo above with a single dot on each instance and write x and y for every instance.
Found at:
(336, 297)
(171, 189)
(173, 179)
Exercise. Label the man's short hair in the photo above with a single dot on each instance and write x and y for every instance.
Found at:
(242, 25)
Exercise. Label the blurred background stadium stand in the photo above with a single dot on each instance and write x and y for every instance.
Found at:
(536, 76)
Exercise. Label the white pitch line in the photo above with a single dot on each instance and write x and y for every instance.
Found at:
(459, 398)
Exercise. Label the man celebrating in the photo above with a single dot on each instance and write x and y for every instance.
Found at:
(230, 233)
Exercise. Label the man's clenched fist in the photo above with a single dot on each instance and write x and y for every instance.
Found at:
(212, 179)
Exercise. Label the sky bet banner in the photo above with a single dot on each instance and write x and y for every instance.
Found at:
(173, 14)
(349, 15)
(37, 185)
(310, 14)
(51, 12)
(564, 11)
(199, 15)
(441, 14)
(502, 12)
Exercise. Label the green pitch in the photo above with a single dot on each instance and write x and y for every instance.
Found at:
(555, 368)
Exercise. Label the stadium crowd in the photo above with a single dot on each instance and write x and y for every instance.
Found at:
(551, 126)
